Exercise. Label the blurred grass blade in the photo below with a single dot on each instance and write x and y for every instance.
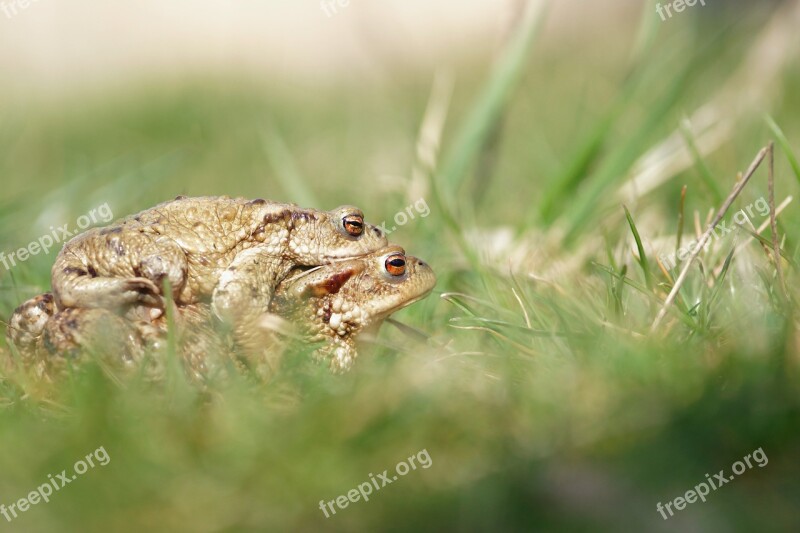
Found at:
(721, 279)
(578, 169)
(584, 206)
(681, 219)
(490, 104)
(642, 256)
(702, 168)
(481, 121)
(785, 146)
(590, 150)
(285, 170)
(177, 381)
(617, 288)
(767, 243)
(621, 276)
(500, 324)
(649, 27)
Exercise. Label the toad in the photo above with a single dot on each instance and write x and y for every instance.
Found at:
(230, 252)
(333, 304)
(336, 303)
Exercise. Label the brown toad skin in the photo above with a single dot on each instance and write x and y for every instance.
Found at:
(337, 303)
(47, 339)
(333, 304)
(230, 251)
(29, 320)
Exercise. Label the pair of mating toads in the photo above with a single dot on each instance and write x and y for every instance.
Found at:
(237, 271)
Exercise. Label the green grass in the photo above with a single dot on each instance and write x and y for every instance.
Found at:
(537, 389)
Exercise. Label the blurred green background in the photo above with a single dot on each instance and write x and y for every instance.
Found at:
(536, 387)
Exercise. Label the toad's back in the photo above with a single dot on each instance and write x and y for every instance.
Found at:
(186, 240)
(207, 226)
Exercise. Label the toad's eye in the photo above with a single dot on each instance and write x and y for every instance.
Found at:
(353, 225)
(396, 265)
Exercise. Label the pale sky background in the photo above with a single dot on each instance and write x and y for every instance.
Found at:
(55, 45)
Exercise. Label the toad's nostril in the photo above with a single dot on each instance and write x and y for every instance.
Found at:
(377, 231)
(420, 263)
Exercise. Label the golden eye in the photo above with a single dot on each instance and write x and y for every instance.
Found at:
(396, 265)
(353, 225)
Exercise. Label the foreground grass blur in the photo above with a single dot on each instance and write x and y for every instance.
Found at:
(540, 395)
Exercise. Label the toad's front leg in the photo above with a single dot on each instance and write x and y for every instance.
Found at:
(116, 270)
(245, 289)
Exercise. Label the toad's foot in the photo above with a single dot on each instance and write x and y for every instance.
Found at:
(26, 325)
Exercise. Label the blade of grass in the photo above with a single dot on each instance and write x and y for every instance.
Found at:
(584, 207)
(681, 218)
(642, 256)
(785, 146)
(590, 149)
(773, 222)
(285, 169)
(482, 119)
(721, 278)
(617, 288)
(702, 168)
(641, 289)
(176, 378)
(515, 327)
(490, 104)
(766, 244)
(704, 238)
